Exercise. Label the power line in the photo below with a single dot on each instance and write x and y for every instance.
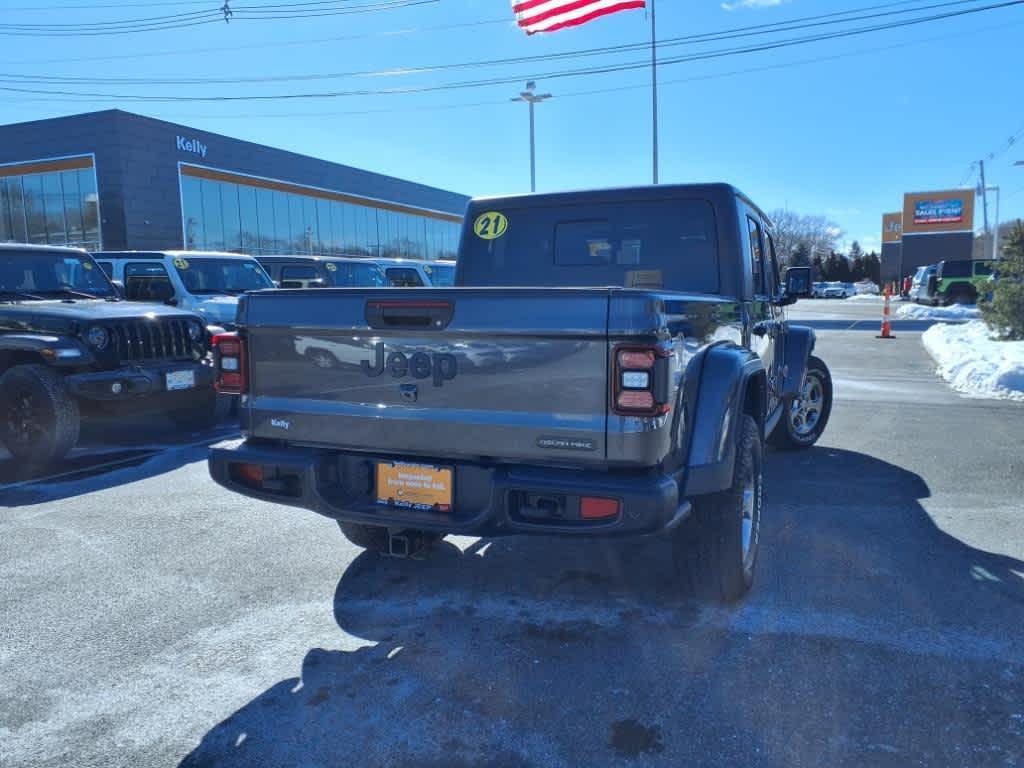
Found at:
(597, 91)
(196, 18)
(796, 24)
(263, 45)
(599, 69)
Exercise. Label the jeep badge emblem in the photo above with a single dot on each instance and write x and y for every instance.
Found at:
(440, 366)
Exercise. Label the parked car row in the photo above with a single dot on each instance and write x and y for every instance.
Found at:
(833, 290)
(953, 282)
(130, 332)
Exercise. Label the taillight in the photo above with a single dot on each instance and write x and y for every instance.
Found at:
(229, 364)
(640, 381)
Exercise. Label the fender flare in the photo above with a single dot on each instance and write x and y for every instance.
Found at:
(800, 341)
(727, 372)
(39, 343)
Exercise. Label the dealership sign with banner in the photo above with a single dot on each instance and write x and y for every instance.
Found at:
(942, 211)
(938, 211)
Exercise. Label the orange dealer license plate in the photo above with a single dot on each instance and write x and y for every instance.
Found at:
(414, 486)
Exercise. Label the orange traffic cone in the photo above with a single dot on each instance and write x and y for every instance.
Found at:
(886, 325)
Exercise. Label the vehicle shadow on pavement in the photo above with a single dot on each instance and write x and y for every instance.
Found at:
(543, 652)
(101, 468)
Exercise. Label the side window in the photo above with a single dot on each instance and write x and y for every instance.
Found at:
(756, 256)
(107, 267)
(147, 282)
(404, 277)
(774, 273)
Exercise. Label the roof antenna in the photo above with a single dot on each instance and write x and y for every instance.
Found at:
(226, 10)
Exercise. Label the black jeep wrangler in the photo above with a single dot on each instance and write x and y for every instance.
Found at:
(69, 346)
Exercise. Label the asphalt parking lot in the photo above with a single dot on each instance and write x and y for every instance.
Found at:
(151, 618)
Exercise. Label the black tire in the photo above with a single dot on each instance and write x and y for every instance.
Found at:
(717, 549)
(964, 296)
(374, 538)
(40, 418)
(207, 413)
(792, 431)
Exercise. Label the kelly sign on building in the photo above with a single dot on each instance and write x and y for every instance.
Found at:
(945, 211)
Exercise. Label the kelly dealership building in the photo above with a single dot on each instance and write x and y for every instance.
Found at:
(114, 180)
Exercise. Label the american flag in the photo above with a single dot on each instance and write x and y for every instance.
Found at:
(549, 15)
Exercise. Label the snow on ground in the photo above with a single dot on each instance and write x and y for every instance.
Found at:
(955, 312)
(864, 297)
(974, 363)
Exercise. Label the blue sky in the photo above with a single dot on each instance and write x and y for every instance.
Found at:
(840, 128)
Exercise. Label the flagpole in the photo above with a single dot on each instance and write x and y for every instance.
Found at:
(654, 95)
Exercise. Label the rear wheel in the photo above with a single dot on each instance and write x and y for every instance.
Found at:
(717, 549)
(805, 418)
(964, 295)
(40, 419)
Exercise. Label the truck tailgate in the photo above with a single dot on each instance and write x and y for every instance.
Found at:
(489, 373)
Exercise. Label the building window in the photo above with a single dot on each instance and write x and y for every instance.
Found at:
(56, 207)
(224, 215)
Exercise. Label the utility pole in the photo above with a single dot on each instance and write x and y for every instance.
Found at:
(995, 234)
(984, 197)
(654, 94)
(532, 98)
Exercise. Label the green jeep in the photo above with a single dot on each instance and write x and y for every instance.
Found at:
(960, 282)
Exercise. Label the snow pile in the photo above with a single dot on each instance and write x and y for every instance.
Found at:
(955, 312)
(974, 363)
(865, 297)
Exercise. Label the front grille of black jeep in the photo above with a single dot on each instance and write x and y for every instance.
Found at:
(157, 339)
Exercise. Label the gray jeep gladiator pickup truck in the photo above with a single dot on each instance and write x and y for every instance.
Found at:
(608, 363)
(70, 348)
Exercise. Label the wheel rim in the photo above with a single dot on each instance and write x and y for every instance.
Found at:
(805, 412)
(24, 423)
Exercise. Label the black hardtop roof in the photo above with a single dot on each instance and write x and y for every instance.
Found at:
(717, 193)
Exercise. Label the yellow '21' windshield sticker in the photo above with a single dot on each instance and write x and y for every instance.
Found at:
(490, 225)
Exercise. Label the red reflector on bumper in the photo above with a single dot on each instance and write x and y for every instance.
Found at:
(248, 474)
(593, 508)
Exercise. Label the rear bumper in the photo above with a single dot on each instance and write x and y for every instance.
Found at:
(138, 381)
(488, 499)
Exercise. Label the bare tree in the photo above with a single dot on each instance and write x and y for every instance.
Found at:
(790, 230)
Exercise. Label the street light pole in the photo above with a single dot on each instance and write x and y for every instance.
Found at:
(532, 98)
(654, 95)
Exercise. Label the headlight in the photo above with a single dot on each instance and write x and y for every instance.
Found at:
(97, 337)
(195, 331)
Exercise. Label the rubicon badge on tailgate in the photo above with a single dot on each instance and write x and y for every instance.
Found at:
(439, 366)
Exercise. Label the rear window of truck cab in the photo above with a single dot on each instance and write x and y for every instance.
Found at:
(598, 245)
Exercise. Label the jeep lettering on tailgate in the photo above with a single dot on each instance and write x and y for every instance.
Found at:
(440, 366)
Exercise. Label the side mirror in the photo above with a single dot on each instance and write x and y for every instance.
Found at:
(798, 283)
